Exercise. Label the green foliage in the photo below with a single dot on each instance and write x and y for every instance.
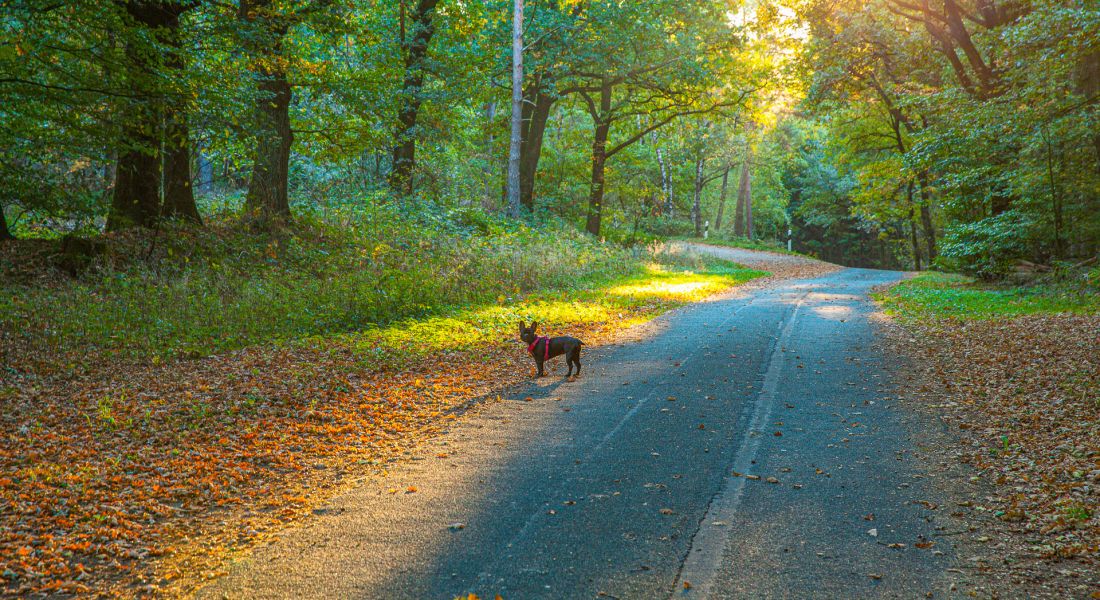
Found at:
(937, 295)
(989, 128)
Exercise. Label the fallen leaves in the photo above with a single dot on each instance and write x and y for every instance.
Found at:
(1021, 397)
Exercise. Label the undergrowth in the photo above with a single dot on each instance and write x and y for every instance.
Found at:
(191, 292)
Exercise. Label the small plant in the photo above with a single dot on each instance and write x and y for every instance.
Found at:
(1077, 512)
(104, 413)
(200, 411)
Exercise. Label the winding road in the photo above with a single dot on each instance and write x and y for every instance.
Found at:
(742, 447)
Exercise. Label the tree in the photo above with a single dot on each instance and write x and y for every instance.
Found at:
(653, 77)
(264, 28)
(415, 41)
(179, 196)
(517, 111)
(722, 199)
(742, 219)
(137, 200)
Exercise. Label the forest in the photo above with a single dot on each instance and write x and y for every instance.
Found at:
(893, 133)
(254, 253)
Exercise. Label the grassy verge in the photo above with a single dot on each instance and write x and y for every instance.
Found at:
(939, 295)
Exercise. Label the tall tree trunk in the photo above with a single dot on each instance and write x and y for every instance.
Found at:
(179, 197)
(514, 207)
(136, 198)
(666, 184)
(1088, 86)
(414, 50)
(602, 120)
(913, 228)
(926, 216)
(743, 193)
(534, 129)
(696, 206)
(721, 201)
(748, 208)
(267, 197)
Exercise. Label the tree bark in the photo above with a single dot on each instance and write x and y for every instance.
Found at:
(926, 216)
(743, 193)
(602, 119)
(514, 207)
(748, 207)
(135, 201)
(414, 52)
(136, 198)
(179, 197)
(696, 208)
(721, 201)
(267, 197)
(534, 129)
(913, 228)
(666, 183)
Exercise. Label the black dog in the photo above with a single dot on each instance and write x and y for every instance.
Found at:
(544, 348)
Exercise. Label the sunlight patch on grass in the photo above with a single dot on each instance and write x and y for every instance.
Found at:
(623, 302)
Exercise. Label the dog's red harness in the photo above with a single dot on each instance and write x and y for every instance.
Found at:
(535, 343)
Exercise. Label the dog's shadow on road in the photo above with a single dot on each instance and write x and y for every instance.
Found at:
(535, 388)
(538, 388)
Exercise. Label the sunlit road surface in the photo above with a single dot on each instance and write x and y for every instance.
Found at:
(744, 447)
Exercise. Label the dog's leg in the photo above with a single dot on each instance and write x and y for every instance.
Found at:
(576, 356)
(538, 363)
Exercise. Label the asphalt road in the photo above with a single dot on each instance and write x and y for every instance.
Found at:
(634, 482)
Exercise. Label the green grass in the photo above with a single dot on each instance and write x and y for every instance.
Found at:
(938, 295)
(197, 292)
(624, 300)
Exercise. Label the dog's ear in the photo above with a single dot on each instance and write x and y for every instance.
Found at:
(534, 326)
(522, 327)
